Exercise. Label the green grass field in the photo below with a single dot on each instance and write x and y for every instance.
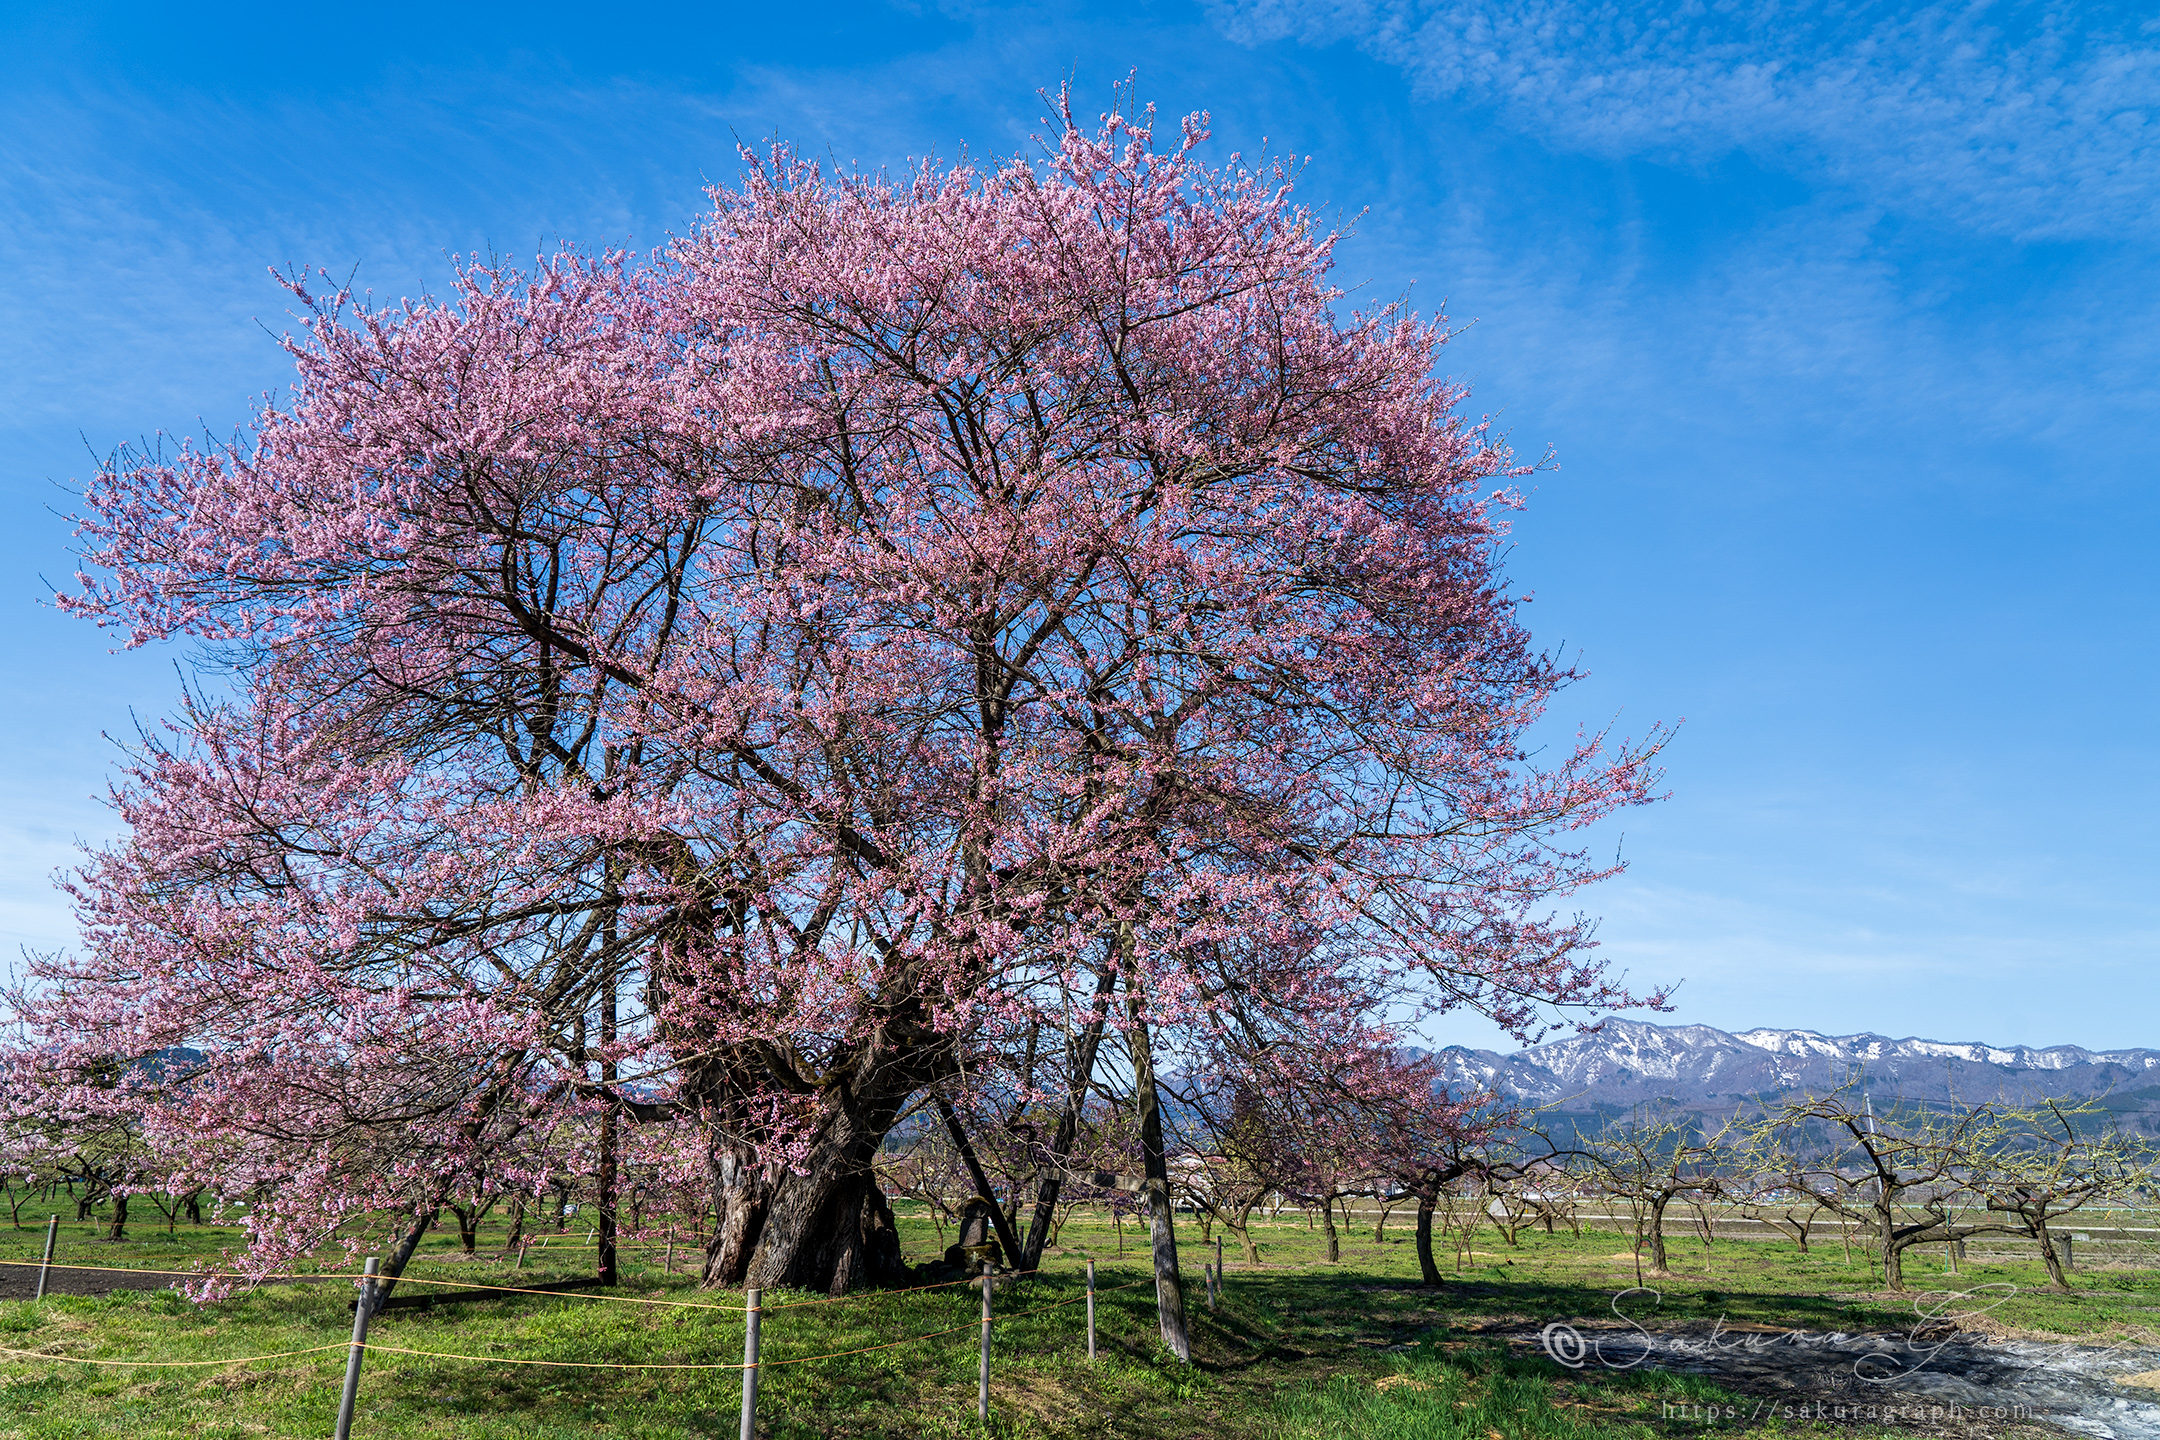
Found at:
(1300, 1348)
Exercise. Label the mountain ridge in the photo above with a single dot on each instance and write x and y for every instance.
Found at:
(1700, 1067)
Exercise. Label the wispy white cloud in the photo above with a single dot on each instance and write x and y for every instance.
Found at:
(2028, 120)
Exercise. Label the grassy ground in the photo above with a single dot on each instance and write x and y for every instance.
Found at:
(1300, 1348)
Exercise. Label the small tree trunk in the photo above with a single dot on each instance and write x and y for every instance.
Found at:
(1170, 1293)
(2049, 1256)
(1657, 1231)
(1427, 1269)
(608, 1179)
(1007, 1240)
(468, 1228)
(1327, 1218)
(1068, 1127)
(401, 1254)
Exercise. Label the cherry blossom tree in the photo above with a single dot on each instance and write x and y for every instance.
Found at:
(744, 687)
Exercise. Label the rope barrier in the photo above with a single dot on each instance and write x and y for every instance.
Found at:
(764, 1364)
(187, 1274)
(372, 1348)
(910, 1290)
(172, 1364)
(499, 1289)
(578, 1364)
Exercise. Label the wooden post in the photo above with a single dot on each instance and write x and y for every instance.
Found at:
(982, 1386)
(363, 1308)
(52, 1228)
(751, 1312)
(1091, 1309)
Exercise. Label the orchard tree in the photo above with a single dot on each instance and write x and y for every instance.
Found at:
(1654, 1156)
(737, 688)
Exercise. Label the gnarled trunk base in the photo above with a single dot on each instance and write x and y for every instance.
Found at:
(830, 1233)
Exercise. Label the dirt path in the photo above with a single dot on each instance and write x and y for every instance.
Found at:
(1943, 1382)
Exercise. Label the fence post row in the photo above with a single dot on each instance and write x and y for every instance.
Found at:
(982, 1388)
(52, 1228)
(363, 1308)
(1091, 1308)
(751, 1312)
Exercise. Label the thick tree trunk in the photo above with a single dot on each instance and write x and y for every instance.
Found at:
(1169, 1289)
(822, 1223)
(1657, 1232)
(740, 1195)
(119, 1216)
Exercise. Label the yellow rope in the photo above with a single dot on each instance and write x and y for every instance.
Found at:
(191, 1364)
(569, 1364)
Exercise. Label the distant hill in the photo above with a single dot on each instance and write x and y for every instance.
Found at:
(1705, 1070)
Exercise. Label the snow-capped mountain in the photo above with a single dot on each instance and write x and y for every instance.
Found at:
(1627, 1062)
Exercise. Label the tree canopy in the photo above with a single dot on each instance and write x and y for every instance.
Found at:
(737, 688)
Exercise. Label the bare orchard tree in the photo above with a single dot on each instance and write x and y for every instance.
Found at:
(1775, 1201)
(1241, 1160)
(2053, 1159)
(1652, 1157)
(1940, 1173)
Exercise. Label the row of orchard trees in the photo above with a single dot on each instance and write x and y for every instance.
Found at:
(910, 636)
(1910, 1174)
(1906, 1175)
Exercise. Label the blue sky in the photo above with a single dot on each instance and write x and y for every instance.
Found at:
(1840, 319)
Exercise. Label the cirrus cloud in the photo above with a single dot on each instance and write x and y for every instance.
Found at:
(2026, 120)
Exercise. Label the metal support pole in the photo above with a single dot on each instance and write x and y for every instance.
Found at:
(52, 1228)
(363, 1308)
(751, 1311)
(1091, 1309)
(982, 1387)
